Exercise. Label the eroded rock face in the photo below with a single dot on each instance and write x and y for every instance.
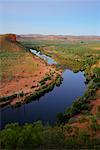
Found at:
(11, 37)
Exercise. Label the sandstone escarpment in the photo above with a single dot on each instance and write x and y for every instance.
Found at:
(11, 37)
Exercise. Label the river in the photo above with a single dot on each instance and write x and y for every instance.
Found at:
(46, 107)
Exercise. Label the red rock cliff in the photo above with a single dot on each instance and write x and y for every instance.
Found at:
(11, 37)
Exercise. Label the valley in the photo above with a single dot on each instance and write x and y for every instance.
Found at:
(53, 79)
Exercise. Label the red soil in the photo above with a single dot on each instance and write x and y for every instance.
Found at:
(94, 111)
(23, 81)
(95, 105)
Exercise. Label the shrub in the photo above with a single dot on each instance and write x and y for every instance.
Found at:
(6, 98)
(72, 120)
(60, 117)
(58, 80)
(96, 72)
(99, 109)
(82, 119)
(68, 128)
(84, 137)
(94, 126)
(21, 94)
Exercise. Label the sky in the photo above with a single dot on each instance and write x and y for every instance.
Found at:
(60, 17)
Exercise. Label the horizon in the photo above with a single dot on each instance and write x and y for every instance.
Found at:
(50, 17)
(50, 34)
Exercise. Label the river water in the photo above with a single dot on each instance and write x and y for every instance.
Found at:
(46, 107)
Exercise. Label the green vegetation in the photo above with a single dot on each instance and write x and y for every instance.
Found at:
(82, 104)
(41, 91)
(76, 56)
(6, 98)
(58, 80)
(10, 62)
(42, 82)
(38, 136)
(15, 59)
(44, 88)
(96, 72)
(94, 125)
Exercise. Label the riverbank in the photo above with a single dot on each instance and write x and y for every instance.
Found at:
(16, 91)
(21, 72)
(84, 113)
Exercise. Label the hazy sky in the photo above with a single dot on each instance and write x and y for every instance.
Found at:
(74, 17)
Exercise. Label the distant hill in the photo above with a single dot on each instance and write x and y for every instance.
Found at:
(56, 37)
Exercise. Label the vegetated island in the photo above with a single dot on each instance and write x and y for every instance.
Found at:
(79, 126)
(23, 76)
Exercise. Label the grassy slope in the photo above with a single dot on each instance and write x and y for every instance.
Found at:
(68, 53)
(14, 59)
(21, 72)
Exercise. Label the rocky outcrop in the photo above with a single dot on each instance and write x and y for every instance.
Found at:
(11, 37)
(8, 42)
